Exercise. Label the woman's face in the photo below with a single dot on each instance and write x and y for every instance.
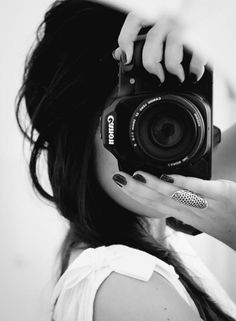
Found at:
(106, 166)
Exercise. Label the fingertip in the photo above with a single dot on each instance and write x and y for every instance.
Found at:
(120, 173)
(119, 179)
(124, 55)
(160, 72)
(173, 178)
(167, 178)
(176, 69)
(197, 67)
(116, 54)
(154, 68)
(129, 54)
(193, 78)
(196, 76)
(199, 76)
(180, 73)
(139, 177)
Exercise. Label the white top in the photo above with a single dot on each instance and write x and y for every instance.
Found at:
(75, 291)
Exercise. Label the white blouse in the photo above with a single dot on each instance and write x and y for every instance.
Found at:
(75, 291)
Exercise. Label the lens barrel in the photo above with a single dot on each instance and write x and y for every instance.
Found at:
(167, 129)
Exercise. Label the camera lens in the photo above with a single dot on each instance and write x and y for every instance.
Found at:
(167, 129)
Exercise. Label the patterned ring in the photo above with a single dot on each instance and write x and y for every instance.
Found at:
(190, 198)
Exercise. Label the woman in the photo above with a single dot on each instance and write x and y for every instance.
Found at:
(111, 252)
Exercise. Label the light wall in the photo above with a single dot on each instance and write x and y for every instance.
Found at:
(31, 230)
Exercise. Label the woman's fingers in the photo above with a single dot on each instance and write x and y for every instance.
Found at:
(129, 33)
(153, 49)
(197, 67)
(153, 46)
(155, 183)
(160, 33)
(168, 184)
(143, 194)
(206, 188)
(174, 56)
(117, 53)
(156, 195)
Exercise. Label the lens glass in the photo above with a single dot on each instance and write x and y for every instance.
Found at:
(166, 131)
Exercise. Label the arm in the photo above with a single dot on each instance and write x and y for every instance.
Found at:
(121, 298)
(224, 156)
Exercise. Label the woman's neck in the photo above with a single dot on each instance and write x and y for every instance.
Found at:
(157, 228)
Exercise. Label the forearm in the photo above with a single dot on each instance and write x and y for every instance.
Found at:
(224, 156)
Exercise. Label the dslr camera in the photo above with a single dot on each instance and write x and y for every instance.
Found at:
(160, 128)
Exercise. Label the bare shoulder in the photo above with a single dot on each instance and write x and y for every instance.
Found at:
(123, 298)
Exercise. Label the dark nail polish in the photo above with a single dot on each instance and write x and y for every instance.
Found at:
(139, 178)
(180, 83)
(114, 54)
(177, 81)
(123, 57)
(167, 178)
(119, 180)
(193, 78)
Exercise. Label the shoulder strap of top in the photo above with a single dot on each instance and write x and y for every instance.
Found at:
(120, 258)
(92, 266)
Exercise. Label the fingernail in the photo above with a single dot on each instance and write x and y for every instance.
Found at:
(119, 180)
(139, 178)
(114, 54)
(123, 57)
(167, 178)
(177, 81)
(193, 78)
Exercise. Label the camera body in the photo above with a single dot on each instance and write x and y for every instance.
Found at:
(160, 128)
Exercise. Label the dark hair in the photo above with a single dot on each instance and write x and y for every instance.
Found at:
(69, 74)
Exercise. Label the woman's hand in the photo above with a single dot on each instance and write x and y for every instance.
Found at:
(153, 53)
(218, 219)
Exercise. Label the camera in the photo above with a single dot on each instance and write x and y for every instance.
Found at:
(160, 127)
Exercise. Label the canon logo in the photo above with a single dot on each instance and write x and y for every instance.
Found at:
(110, 120)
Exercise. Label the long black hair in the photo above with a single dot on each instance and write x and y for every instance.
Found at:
(69, 74)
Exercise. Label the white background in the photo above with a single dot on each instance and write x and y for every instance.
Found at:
(30, 230)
